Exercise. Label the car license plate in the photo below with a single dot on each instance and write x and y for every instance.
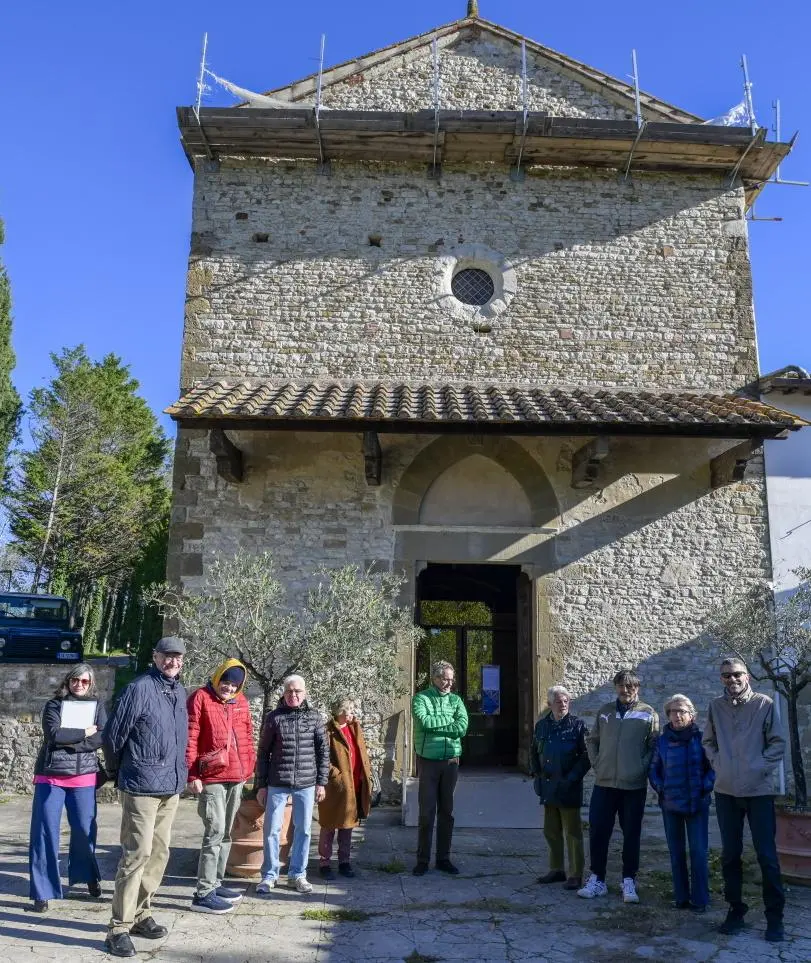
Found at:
(67, 656)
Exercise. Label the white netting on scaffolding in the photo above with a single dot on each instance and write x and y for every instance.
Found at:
(257, 100)
(737, 116)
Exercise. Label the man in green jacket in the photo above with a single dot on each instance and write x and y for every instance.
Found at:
(440, 722)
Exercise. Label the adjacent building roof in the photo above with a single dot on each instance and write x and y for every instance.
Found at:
(788, 380)
(474, 408)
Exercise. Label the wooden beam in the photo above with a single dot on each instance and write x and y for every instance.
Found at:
(730, 466)
(372, 458)
(229, 458)
(586, 462)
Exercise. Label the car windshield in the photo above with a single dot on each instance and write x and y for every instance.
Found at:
(33, 607)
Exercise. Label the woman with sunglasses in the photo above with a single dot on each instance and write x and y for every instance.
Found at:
(65, 777)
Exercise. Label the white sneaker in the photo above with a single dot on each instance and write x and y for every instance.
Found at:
(593, 888)
(629, 894)
(300, 884)
(265, 886)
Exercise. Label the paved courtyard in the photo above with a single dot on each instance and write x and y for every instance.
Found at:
(494, 911)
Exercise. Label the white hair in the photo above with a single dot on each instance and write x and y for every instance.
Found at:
(557, 690)
(680, 700)
(293, 678)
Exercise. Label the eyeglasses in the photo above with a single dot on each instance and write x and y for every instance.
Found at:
(732, 675)
(79, 681)
(298, 692)
(171, 658)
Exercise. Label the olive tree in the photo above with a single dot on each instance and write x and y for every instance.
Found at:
(343, 638)
(773, 638)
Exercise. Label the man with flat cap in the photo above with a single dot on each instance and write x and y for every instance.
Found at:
(145, 745)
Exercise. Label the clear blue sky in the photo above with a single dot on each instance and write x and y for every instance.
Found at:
(96, 192)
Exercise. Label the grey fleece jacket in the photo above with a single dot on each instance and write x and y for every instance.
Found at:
(620, 749)
(744, 741)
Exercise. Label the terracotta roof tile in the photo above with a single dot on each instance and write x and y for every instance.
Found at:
(396, 405)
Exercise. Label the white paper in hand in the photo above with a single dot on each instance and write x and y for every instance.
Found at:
(78, 714)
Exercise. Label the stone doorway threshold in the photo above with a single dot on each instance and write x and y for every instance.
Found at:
(485, 799)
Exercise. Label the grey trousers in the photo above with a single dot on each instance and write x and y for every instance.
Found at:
(217, 807)
(146, 829)
(437, 785)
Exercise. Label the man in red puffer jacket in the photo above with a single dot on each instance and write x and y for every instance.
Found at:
(220, 757)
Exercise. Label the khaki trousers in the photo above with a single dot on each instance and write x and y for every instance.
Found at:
(146, 827)
(559, 821)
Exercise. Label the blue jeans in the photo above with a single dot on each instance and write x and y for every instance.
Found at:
(696, 889)
(43, 850)
(303, 800)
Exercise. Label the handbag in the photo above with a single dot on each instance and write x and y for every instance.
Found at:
(215, 763)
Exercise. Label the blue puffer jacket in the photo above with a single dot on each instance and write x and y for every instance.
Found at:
(680, 772)
(146, 735)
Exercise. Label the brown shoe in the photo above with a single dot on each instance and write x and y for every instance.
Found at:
(573, 882)
(553, 876)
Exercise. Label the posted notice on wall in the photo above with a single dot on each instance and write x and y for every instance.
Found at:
(491, 690)
(78, 714)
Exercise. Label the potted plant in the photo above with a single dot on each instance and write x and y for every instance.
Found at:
(343, 639)
(773, 637)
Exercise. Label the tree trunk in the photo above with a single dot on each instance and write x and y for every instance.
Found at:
(51, 513)
(797, 767)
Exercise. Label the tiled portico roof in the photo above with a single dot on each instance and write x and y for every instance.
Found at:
(499, 408)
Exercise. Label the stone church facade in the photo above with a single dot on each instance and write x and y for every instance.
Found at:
(462, 344)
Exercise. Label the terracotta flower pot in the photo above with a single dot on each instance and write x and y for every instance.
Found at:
(794, 845)
(247, 839)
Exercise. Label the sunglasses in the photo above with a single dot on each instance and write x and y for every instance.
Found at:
(732, 675)
(79, 681)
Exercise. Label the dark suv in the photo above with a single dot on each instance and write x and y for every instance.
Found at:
(38, 628)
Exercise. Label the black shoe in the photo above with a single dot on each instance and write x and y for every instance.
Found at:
(774, 932)
(553, 876)
(698, 909)
(94, 888)
(420, 869)
(734, 922)
(40, 906)
(345, 869)
(149, 929)
(325, 872)
(119, 945)
(447, 867)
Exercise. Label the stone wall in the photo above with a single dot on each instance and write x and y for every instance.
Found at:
(297, 274)
(477, 71)
(625, 575)
(26, 689)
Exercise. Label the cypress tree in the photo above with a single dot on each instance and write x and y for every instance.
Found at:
(9, 399)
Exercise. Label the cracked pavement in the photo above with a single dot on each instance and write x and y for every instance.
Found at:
(493, 911)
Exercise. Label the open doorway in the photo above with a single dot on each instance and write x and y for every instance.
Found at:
(471, 617)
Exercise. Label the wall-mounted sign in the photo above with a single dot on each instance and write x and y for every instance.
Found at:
(491, 690)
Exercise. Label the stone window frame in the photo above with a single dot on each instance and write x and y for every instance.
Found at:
(485, 259)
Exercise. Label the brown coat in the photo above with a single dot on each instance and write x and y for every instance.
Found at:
(341, 808)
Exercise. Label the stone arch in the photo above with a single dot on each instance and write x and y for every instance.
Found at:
(446, 451)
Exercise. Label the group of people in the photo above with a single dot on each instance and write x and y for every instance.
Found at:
(736, 757)
(159, 741)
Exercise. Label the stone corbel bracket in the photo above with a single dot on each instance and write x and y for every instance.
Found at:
(372, 458)
(730, 466)
(230, 465)
(586, 463)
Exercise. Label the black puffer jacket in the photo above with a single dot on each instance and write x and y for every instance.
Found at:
(559, 760)
(67, 752)
(145, 739)
(293, 748)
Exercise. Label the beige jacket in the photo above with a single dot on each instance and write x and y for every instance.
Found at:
(620, 749)
(744, 741)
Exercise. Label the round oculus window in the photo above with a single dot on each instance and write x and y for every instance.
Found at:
(473, 286)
